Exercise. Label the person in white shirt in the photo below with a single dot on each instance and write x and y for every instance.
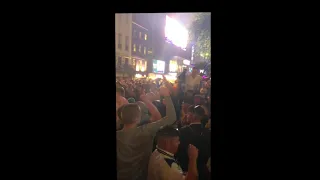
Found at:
(193, 80)
(162, 164)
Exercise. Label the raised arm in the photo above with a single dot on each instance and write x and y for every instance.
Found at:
(155, 114)
(170, 114)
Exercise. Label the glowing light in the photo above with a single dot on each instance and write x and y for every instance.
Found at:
(176, 33)
(159, 76)
(186, 62)
(158, 66)
(173, 66)
(138, 75)
(170, 77)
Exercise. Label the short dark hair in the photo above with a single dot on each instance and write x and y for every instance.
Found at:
(130, 112)
(167, 131)
(120, 90)
(197, 110)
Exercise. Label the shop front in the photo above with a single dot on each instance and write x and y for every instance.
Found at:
(140, 67)
(158, 69)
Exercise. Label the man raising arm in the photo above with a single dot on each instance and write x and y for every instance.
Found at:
(170, 114)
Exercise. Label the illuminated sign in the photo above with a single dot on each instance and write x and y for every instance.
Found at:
(186, 62)
(158, 66)
(173, 66)
(176, 33)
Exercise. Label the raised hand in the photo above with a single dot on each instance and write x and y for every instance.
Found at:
(164, 91)
(192, 152)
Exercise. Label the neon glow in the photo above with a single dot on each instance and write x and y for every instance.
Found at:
(176, 33)
(186, 62)
(158, 66)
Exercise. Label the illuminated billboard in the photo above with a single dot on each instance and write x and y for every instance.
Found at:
(173, 66)
(158, 66)
(176, 33)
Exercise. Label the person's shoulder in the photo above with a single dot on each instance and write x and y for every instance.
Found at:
(184, 130)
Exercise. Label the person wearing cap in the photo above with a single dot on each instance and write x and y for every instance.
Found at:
(162, 163)
(195, 133)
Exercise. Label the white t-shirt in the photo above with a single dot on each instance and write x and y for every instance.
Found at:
(192, 82)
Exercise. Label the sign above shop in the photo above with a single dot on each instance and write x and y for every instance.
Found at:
(186, 62)
(158, 66)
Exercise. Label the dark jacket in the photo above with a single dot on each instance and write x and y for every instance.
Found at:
(198, 136)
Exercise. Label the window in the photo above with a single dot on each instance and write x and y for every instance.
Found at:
(127, 43)
(119, 61)
(134, 33)
(139, 48)
(145, 36)
(119, 41)
(134, 62)
(134, 47)
(145, 50)
(140, 35)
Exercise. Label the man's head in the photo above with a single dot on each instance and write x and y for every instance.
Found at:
(195, 114)
(120, 92)
(144, 111)
(195, 71)
(119, 111)
(168, 139)
(151, 96)
(131, 114)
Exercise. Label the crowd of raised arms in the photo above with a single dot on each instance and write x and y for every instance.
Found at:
(163, 128)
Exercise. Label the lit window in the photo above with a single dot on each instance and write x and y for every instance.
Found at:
(145, 37)
(145, 50)
(140, 35)
(134, 47)
(139, 48)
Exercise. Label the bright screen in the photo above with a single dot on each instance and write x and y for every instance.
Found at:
(173, 66)
(176, 33)
(158, 66)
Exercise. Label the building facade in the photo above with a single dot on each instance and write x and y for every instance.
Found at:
(123, 38)
(141, 48)
(151, 54)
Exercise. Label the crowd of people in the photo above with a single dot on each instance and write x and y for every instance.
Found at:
(163, 128)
